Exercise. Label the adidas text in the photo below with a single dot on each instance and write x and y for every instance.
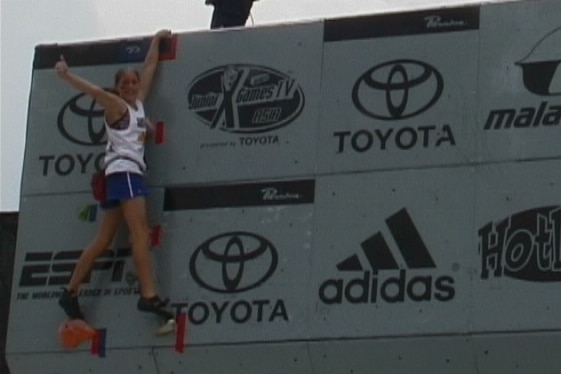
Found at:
(395, 289)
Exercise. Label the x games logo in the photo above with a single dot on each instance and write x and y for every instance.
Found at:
(245, 99)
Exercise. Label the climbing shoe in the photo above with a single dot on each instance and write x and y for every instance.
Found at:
(154, 305)
(68, 301)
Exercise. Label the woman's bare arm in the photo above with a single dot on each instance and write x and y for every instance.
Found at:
(151, 63)
(113, 104)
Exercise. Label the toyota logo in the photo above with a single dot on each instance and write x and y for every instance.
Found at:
(397, 89)
(79, 109)
(233, 262)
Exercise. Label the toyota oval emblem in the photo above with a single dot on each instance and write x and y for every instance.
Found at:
(397, 89)
(233, 262)
(80, 122)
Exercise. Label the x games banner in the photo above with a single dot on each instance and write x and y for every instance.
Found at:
(236, 114)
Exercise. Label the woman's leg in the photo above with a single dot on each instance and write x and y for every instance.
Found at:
(133, 206)
(110, 221)
(134, 212)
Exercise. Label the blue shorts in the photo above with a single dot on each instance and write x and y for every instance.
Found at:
(123, 186)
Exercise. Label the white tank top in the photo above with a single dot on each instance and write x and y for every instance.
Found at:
(125, 147)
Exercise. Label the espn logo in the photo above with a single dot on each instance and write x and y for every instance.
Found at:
(55, 268)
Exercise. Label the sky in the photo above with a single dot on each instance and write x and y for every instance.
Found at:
(25, 24)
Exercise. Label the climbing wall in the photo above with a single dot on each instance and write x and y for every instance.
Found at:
(340, 196)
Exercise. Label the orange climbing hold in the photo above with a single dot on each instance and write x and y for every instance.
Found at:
(72, 333)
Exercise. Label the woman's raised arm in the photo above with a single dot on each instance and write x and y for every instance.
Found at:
(113, 104)
(151, 63)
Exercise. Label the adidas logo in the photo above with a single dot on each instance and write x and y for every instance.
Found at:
(371, 287)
